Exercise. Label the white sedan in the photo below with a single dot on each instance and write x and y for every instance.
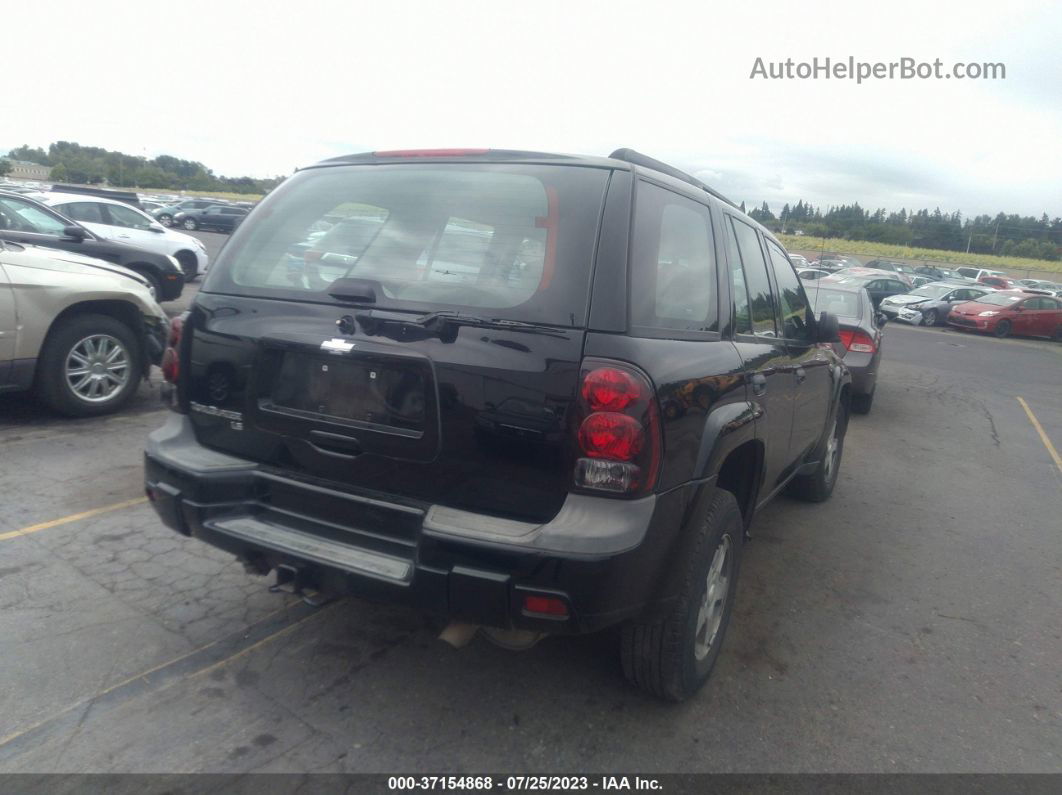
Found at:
(115, 220)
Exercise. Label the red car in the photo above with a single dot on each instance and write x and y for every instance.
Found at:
(1010, 312)
(999, 283)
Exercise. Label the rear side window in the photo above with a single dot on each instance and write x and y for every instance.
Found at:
(793, 303)
(514, 241)
(672, 265)
(89, 212)
(757, 285)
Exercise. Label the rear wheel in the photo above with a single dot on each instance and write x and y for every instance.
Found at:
(1002, 329)
(818, 486)
(671, 657)
(861, 403)
(90, 365)
(190, 224)
(929, 318)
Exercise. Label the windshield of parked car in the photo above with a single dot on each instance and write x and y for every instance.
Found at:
(999, 299)
(508, 240)
(836, 302)
(932, 290)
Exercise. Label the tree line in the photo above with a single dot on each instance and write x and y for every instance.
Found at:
(1003, 234)
(91, 165)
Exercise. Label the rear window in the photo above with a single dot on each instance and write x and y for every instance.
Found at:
(836, 302)
(502, 240)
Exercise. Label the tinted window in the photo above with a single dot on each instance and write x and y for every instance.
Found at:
(756, 281)
(124, 216)
(83, 211)
(22, 216)
(517, 237)
(672, 266)
(739, 292)
(793, 304)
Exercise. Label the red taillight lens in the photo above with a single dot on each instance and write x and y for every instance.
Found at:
(171, 367)
(617, 430)
(609, 389)
(857, 341)
(545, 605)
(611, 435)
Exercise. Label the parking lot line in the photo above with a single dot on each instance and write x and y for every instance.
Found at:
(160, 677)
(1043, 436)
(35, 528)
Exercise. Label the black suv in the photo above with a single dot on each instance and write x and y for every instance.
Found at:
(26, 221)
(221, 218)
(532, 392)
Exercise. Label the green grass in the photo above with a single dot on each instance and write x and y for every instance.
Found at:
(887, 251)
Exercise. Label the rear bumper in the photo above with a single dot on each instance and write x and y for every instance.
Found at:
(864, 370)
(603, 557)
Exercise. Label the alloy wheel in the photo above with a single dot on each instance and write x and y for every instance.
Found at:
(713, 605)
(97, 368)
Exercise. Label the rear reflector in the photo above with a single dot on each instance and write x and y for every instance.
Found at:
(545, 606)
(429, 152)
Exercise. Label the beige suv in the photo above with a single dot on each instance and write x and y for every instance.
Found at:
(80, 331)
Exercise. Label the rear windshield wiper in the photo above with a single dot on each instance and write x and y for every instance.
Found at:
(445, 323)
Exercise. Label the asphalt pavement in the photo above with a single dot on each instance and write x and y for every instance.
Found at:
(911, 623)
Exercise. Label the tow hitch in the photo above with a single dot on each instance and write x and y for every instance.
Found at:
(297, 581)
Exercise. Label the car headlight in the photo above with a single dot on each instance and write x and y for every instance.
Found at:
(988, 313)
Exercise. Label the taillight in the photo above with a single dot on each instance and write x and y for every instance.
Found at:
(618, 431)
(171, 360)
(857, 341)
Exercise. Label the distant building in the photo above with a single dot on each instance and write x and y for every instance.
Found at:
(23, 169)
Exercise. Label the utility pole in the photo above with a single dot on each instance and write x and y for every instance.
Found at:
(968, 242)
(994, 236)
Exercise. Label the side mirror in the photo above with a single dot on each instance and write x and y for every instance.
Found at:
(159, 228)
(76, 232)
(828, 329)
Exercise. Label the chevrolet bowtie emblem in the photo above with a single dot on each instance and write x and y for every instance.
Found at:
(337, 345)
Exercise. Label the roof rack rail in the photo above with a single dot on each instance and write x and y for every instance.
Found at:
(638, 159)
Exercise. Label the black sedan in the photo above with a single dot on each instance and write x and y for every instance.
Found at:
(878, 286)
(31, 223)
(219, 218)
(861, 335)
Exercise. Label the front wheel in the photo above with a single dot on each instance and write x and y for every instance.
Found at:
(1002, 329)
(190, 224)
(90, 365)
(672, 657)
(929, 318)
(818, 486)
(166, 220)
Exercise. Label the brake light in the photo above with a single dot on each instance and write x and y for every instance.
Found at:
(545, 605)
(618, 431)
(429, 152)
(857, 341)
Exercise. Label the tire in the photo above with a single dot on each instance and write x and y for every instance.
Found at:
(1002, 329)
(154, 284)
(189, 264)
(861, 403)
(190, 224)
(671, 657)
(69, 393)
(166, 220)
(818, 486)
(930, 318)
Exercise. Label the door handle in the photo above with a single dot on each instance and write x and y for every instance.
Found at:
(759, 384)
(801, 374)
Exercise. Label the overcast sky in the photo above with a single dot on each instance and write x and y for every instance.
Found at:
(263, 88)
